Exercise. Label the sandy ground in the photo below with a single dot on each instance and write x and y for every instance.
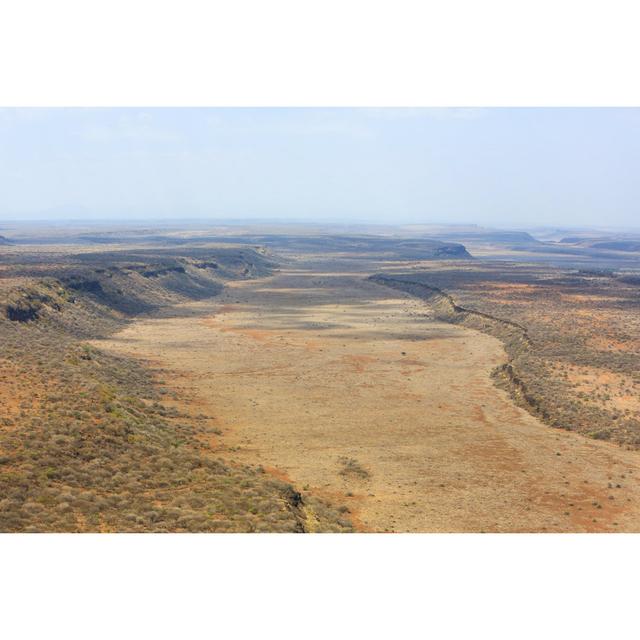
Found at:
(307, 369)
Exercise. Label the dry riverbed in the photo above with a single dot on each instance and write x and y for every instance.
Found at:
(351, 391)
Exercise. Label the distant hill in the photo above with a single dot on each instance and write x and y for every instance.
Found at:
(575, 240)
(5, 241)
(400, 248)
(492, 236)
(618, 245)
(416, 248)
(610, 243)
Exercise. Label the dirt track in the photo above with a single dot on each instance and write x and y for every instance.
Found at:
(307, 369)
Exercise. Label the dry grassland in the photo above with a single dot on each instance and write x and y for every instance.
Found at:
(356, 394)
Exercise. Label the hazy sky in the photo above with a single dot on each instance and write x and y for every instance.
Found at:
(517, 167)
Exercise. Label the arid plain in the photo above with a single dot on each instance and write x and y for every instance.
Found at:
(318, 380)
(357, 394)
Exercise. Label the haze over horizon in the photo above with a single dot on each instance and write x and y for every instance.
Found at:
(502, 167)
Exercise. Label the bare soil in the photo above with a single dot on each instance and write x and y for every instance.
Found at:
(354, 393)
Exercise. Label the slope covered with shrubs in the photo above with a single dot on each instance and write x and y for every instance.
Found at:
(87, 440)
(572, 338)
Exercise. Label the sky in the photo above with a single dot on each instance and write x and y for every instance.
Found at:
(493, 166)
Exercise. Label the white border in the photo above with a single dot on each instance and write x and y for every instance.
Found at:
(344, 586)
(319, 53)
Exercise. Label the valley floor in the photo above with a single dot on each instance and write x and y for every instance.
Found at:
(354, 393)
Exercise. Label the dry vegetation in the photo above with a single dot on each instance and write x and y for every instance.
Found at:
(93, 440)
(572, 337)
(355, 393)
(88, 441)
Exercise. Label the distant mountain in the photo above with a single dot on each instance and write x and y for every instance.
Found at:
(5, 241)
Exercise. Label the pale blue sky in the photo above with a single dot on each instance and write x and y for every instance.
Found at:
(510, 167)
